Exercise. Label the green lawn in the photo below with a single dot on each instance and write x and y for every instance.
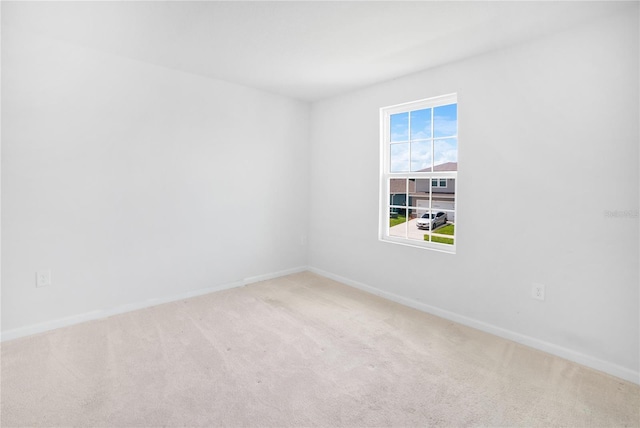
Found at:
(444, 230)
(396, 221)
(439, 239)
(447, 229)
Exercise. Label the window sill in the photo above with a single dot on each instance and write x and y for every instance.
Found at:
(442, 248)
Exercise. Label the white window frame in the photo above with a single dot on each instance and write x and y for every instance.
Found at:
(386, 175)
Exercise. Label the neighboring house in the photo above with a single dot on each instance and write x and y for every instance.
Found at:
(398, 191)
(442, 192)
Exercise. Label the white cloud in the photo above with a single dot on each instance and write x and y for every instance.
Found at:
(399, 157)
(420, 155)
(445, 151)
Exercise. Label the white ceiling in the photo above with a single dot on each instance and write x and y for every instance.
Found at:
(306, 50)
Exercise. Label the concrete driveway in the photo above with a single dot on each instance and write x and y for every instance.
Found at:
(413, 233)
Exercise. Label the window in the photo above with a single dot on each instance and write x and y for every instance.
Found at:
(418, 173)
(439, 182)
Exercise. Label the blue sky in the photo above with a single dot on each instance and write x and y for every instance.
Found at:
(413, 148)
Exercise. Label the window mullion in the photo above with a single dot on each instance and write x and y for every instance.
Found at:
(406, 210)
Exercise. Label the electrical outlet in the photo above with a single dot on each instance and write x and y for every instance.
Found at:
(43, 278)
(537, 291)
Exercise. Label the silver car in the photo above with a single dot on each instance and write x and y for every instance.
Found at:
(436, 220)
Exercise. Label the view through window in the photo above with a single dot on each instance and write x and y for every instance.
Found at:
(419, 169)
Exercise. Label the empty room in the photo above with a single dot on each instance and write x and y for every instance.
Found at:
(317, 213)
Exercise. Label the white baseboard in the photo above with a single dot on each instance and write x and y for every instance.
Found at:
(560, 351)
(104, 313)
(586, 360)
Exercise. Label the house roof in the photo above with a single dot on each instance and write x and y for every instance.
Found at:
(397, 185)
(448, 166)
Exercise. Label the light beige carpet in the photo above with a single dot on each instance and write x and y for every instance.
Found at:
(300, 350)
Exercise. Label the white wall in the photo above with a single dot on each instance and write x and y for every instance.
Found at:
(545, 128)
(133, 182)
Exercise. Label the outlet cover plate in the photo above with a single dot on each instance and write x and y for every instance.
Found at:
(537, 291)
(43, 278)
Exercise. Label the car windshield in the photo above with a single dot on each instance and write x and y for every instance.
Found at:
(426, 215)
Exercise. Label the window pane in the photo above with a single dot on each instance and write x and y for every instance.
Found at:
(397, 207)
(443, 182)
(444, 199)
(445, 154)
(398, 222)
(413, 232)
(421, 124)
(399, 127)
(445, 121)
(421, 225)
(419, 202)
(421, 156)
(399, 157)
(421, 188)
(397, 192)
(444, 228)
(419, 199)
(436, 237)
